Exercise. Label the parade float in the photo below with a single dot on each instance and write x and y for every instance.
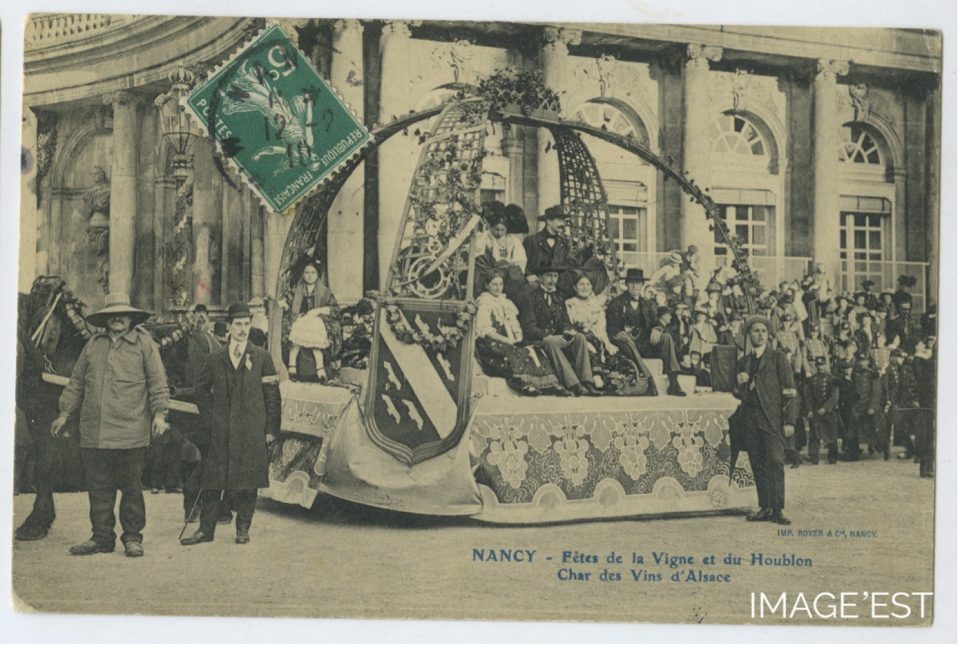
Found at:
(423, 430)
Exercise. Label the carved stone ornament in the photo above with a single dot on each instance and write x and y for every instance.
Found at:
(699, 56)
(861, 101)
(398, 28)
(96, 209)
(121, 97)
(460, 58)
(740, 82)
(606, 65)
(342, 25)
(46, 146)
(557, 38)
(828, 69)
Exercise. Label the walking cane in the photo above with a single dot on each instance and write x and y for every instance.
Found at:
(193, 508)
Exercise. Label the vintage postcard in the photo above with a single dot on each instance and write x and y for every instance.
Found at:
(433, 319)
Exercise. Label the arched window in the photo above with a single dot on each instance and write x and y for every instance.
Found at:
(610, 117)
(857, 146)
(734, 134)
(628, 181)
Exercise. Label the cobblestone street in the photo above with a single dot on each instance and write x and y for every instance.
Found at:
(344, 560)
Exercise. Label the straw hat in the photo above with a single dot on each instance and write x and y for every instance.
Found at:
(117, 305)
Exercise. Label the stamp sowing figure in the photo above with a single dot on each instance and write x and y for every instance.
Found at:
(238, 395)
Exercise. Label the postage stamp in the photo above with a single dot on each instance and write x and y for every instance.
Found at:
(276, 119)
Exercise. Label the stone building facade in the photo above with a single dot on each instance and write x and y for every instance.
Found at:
(818, 144)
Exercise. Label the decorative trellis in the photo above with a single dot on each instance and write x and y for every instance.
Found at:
(308, 224)
(582, 196)
(432, 256)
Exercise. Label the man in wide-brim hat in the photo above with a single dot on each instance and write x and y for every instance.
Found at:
(117, 305)
(765, 418)
(119, 388)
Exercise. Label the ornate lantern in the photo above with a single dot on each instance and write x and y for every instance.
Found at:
(174, 122)
(176, 128)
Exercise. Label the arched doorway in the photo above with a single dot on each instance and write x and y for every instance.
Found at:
(630, 182)
(747, 186)
(867, 230)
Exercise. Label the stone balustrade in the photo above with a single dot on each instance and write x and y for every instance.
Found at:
(53, 29)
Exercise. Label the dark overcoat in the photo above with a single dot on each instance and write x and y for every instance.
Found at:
(239, 407)
(538, 319)
(621, 314)
(775, 387)
(824, 394)
(540, 255)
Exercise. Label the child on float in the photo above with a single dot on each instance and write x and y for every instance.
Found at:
(315, 325)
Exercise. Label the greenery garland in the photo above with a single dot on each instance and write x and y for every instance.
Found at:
(508, 87)
(447, 339)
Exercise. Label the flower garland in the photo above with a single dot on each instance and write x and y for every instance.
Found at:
(175, 336)
(448, 338)
(525, 89)
(72, 307)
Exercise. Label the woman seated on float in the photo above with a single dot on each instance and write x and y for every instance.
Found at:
(587, 312)
(315, 326)
(498, 345)
(499, 251)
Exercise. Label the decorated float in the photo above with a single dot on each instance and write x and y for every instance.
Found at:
(422, 430)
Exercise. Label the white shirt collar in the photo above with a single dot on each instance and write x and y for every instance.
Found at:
(758, 351)
(233, 352)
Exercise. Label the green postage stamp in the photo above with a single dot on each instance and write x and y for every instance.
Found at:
(273, 116)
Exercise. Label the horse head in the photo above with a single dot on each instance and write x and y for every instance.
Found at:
(52, 324)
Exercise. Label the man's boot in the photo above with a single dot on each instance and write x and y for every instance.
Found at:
(674, 387)
(761, 515)
(777, 517)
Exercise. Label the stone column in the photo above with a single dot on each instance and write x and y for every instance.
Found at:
(345, 218)
(123, 191)
(826, 187)
(29, 220)
(698, 116)
(397, 157)
(933, 195)
(206, 210)
(553, 62)
(512, 145)
(257, 287)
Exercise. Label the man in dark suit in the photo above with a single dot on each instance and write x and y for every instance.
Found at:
(766, 415)
(548, 247)
(823, 396)
(238, 395)
(661, 344)
(902, 326)
(544, 320)
(630, 318)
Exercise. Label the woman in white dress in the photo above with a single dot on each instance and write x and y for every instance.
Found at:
(587, 312)
(498, 346)
(503, 253)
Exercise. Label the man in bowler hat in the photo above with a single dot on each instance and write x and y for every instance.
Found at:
(545, 322)
(548, 247)
(238, 395)
(630, 318)
(119, 388)
(765, 417)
